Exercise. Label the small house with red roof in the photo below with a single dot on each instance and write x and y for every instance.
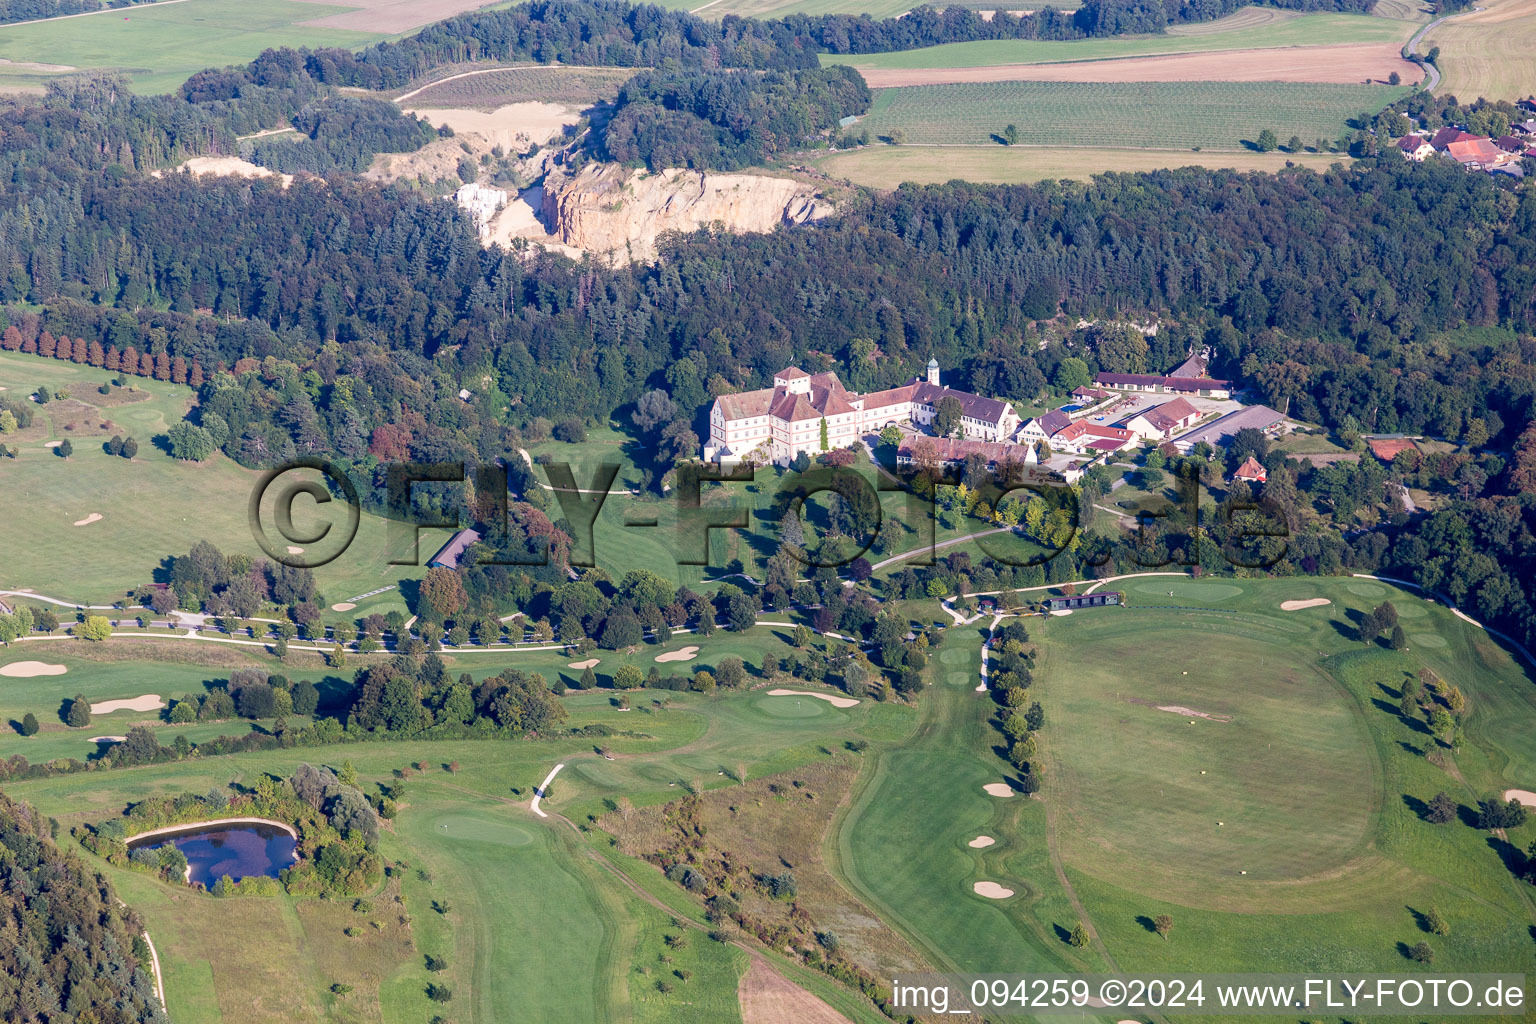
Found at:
(1252, 471)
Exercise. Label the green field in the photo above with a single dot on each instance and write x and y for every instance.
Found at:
(158, 47)
(152, 507)
(1150, 115)
(489, 88)
(889, 166)
(1304, 30)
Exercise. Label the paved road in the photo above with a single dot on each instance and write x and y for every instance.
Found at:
(1412, 44)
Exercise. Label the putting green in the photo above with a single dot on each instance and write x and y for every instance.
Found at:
(791, 707)
(1366, 589)
(1426, 639)
(1411, 610)
(953, 656)
(475, 829)
(1189, 590)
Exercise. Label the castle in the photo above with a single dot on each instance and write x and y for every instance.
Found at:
(776, 424)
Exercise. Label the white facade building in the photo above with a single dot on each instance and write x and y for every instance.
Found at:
(776, 424)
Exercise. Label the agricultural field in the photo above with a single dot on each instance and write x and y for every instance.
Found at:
(55, 547)
(1487, 52)
(1237, 32)
(889, 166)
(159, 46)
(1154, 115)
(490, 88)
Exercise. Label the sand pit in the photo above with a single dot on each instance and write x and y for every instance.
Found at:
(837, 702)
(981, 842)
(31, 669)
(344, 606)
(992, 891)
(1311, 602)
(1192, 713)
(1349, 63)
(53, 444)
(589, 663)
(295, 551)
(682, 654)
(148, 702)
(94, 517)
(1000, 789)
(107, 739)
(1525, 796)
(1062, 611)
(231, 167)
(515, 126)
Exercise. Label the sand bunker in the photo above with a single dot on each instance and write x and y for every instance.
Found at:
(1062, 611)
(515, 126)
(344, 606)
(837, 702)
(589, 663)
(231, 167)
(53, 444)
(1192, 713)
(148, 702)
(998, 789)
(981, 842)
(1311, 602)
(30, 669)
(107, 739)
(683, 654)
(1525, 796)
(295, 551)
(1347, 63)
(992, 891)
(94, 517)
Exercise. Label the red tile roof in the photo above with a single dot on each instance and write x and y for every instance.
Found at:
(1445, 136)
(1474, 151)
(1251, 469)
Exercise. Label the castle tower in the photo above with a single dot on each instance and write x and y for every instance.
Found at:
(933, 372)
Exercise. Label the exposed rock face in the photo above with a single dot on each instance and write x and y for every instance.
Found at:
(611, 211)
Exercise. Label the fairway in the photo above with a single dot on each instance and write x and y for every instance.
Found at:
(151, 507)
(1153, 115)
(889, 166)
(159, 47)
(1262, 765)
(1304, 30)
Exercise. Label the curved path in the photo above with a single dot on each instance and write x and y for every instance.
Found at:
(538, 794)
(1418, 37)
(939, 546)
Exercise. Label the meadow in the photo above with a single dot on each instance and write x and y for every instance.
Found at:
(1150, 115)
(889, 166)
(1237, 32)
(44, 495)
(159, 47)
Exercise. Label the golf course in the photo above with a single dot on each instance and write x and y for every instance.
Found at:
(1209, 755)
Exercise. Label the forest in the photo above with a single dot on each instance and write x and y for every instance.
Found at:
(71, 950)
(728, 120)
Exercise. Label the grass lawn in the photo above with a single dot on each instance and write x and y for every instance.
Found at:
(890, 166)
(1305, 30)
(152, 507)
(159, 47)
(1142, 115)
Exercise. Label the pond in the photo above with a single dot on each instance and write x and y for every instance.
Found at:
(238, 850)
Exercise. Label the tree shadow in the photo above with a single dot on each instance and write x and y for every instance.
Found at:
(1064, 934)
(1405, 951)
(1467, 815)
(1147, 923)
(1421, 919)
(1417, 806)
(1513, 857)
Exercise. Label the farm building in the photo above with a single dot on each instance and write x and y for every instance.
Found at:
(1415, 148)
(1443, 138)
(1194, 366)
(1259, 417)
(1251, 471)
(1103, 598)
(448, 556)
(1206, 386)
(1478, 154)
(1083, 438)
(1161, 422)
(1042, 428)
